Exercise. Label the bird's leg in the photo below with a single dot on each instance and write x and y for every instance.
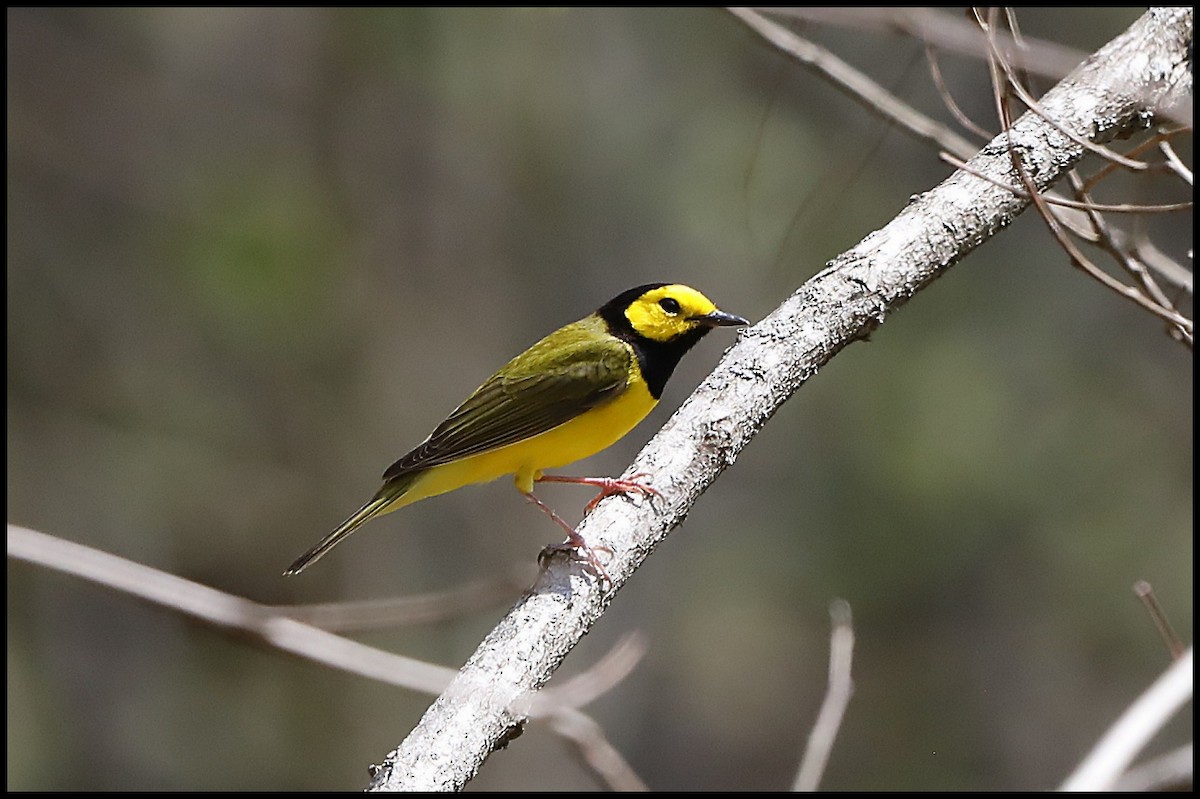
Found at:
(575, 545)
(608, 486)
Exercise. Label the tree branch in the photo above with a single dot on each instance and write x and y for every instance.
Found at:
(1117, 90)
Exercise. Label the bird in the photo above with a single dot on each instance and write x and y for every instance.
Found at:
(572, 394)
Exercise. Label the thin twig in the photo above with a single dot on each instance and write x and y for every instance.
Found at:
(1177, 166)
(1014, 82)
(1170, 772)
(1019, 45)
(1145, 592)
(833, 182)
(1101, 235)
(1108, 167)
(999, 88)
(855, 84)
(947, 32)
(1105, 764)
(1122, 208)
(396, 611)
(1107, 240)
(1165, 266)
(595, 751)
(225, 610)
(935, 72)
(598, 679)
(837, 697)
(1080, 260)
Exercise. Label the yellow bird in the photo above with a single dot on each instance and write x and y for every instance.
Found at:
(572, 394)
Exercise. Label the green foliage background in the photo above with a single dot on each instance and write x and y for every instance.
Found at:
(255, 255)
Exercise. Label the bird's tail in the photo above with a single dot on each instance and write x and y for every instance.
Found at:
(383, 502)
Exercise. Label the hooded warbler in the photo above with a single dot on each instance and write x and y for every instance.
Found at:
(570, 395)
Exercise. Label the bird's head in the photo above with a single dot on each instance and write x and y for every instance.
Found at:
(665, 312)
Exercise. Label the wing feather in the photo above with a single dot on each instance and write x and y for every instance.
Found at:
(565, 374)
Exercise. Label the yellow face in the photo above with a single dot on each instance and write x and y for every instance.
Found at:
(667, 312)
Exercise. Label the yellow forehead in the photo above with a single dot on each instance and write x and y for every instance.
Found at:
(692, 302)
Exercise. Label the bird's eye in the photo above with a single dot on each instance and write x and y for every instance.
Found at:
(670, 305)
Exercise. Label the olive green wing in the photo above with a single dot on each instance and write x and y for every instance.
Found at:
(565, 374)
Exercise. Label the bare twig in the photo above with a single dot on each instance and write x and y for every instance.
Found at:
(595, 751)
(837, 697)
(1088, 205)
(1104, 765)
(1173, 771)
(1080, 260)
(833, 181)
(1107, 239)
(945, 31)
(855, 84)
(999, 59)
(559, 706)
(1145, 593)
(1166, 267)
(1109, 167)
(1001, 87)
(395, 611)
(603, 675)
(935, 72)
(1177, 166)
(224, 610)
(1157, 303)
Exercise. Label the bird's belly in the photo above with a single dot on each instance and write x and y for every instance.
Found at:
(584, 435)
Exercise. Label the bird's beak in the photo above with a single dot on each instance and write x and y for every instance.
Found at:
(721, 319)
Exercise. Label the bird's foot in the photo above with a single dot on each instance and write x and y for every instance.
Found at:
(575, 547)
(578, 551)
(608, 486)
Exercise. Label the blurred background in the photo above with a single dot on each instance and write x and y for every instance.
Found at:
(255, 255)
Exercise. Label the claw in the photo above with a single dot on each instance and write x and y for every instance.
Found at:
(576, 548)
(578, 551)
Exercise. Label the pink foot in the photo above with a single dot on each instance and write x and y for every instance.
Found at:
(608, 486)
(575, 547)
